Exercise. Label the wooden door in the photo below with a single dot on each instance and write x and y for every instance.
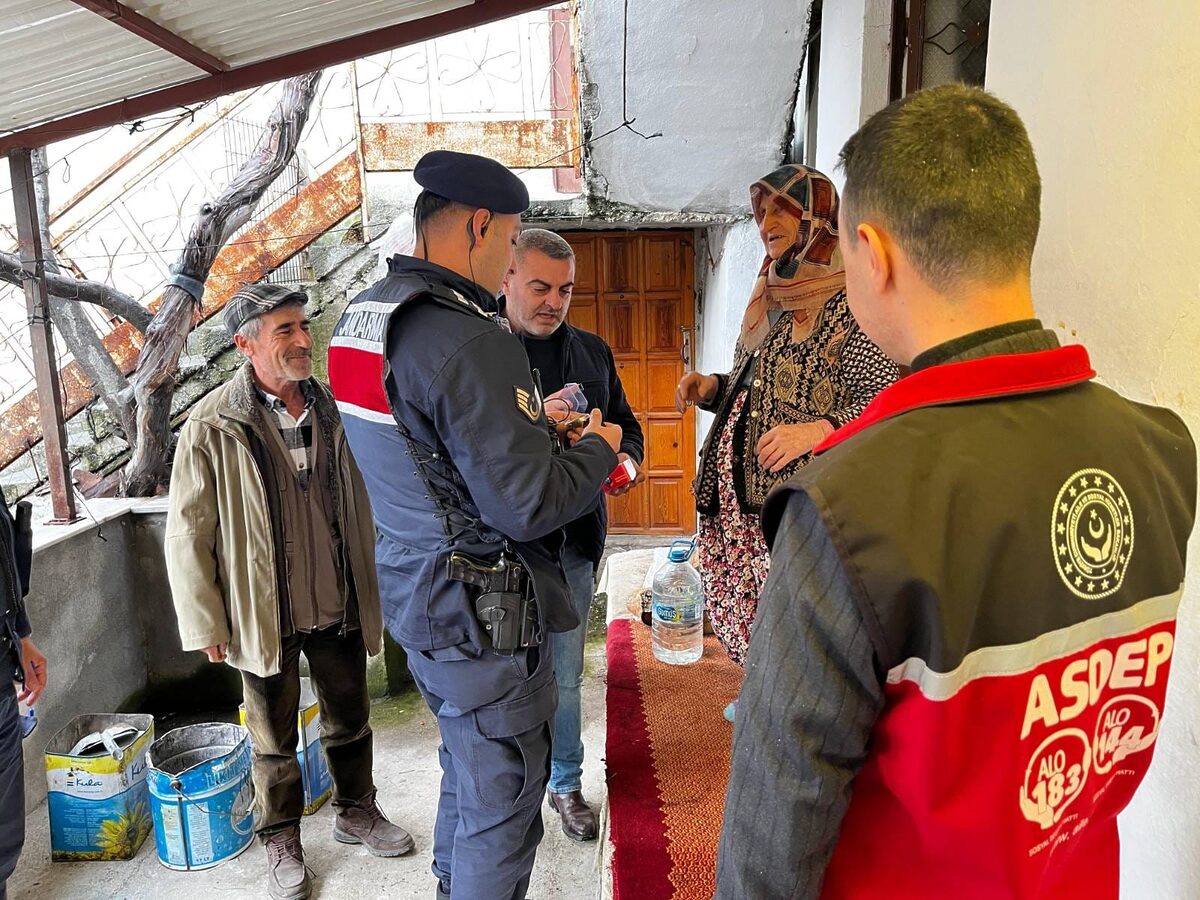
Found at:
(635, 290)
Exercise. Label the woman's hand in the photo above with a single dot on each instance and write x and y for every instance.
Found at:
(695, 388)
(784, 444)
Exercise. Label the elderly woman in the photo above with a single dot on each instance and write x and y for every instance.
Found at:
(801, 368)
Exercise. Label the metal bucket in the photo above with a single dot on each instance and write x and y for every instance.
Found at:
(201, 796)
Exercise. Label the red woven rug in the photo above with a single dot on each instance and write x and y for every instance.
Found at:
(667, 766)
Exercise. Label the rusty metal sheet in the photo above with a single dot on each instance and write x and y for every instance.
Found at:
(283, 234)
(519, 144)
(246, 259)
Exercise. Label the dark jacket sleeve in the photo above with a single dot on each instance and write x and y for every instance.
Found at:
(521, 489)
(805, 715)
(719, 397)
(620, 413)
(24, 551)
(20, 527)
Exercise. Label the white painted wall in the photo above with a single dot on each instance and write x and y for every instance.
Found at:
(726, 281)
(718, 79)
(853, 82)
(1112, 103)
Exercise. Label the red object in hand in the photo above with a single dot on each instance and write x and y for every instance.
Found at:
(620, 476)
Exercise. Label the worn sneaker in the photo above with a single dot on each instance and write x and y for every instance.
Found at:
(364, 823)
(287, 876)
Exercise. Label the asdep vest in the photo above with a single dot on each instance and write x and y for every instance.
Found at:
(1017, 537)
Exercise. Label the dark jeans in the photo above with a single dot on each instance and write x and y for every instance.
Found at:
(12, 780)
(339, 675)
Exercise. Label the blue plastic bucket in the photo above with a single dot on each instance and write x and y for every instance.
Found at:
(201, 796)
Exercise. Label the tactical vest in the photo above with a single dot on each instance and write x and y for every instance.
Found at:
(422, 611)
(358, 373)
(1016, 536)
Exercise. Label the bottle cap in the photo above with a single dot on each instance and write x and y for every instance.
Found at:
(681, 550)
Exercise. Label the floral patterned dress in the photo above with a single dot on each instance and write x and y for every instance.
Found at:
(829, 373)
(733, 553)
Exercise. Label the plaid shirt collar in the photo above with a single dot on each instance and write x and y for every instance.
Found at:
(274, 403)
(297, 433)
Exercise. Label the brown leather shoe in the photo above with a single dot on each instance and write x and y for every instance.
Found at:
(364, 823)
(287, 876)
(578, 820)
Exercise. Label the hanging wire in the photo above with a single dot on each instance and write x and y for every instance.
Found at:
(188, 112)
(626, 123)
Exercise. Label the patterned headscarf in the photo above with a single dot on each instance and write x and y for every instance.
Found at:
(811, 270)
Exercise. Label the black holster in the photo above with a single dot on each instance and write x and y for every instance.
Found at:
(504, 601)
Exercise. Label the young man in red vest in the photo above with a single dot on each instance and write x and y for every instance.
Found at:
(957, 675)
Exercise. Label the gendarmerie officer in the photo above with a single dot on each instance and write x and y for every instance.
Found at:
(469, 496)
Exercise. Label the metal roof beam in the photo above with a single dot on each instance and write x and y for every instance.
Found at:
(250, 76)
(149, 30)
(45, 370)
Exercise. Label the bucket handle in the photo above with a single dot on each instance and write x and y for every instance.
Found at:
(234, 815)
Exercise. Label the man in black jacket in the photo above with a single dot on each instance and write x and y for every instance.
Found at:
(20, 663)
(538, 294)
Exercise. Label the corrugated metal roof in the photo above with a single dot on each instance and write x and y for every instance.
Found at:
(241, 33)
(57, 58)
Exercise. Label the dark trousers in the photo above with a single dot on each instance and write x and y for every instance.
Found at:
(339, 675)
(12, 780)
(494, 714)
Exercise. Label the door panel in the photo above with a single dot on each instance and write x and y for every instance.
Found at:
(669, 500)
(662, 272)
(662, 326)
(629, 512)
(620, 255)
(621, 322)
(585, 267)
(664, 445)
(662, 377)
(631, 372)
(584, 313)
(635, 290)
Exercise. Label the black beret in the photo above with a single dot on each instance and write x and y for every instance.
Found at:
(472, 181)
(255, 299)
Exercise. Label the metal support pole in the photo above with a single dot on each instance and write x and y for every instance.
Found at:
(37, 302)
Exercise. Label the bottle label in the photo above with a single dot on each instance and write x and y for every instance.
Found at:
(686, 612)
(666, 612)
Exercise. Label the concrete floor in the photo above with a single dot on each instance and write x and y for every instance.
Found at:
(407, 773)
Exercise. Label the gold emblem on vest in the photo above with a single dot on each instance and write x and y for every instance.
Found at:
(1091, 534)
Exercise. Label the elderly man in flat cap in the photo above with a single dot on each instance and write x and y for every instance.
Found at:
(447, 422)
(270, 552)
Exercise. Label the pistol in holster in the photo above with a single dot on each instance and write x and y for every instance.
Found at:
(504, 605)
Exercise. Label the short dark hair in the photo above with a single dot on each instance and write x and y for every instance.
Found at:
(543, 241)
(951, 173)
(429, 207)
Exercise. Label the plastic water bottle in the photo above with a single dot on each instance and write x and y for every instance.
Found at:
(677, 627)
